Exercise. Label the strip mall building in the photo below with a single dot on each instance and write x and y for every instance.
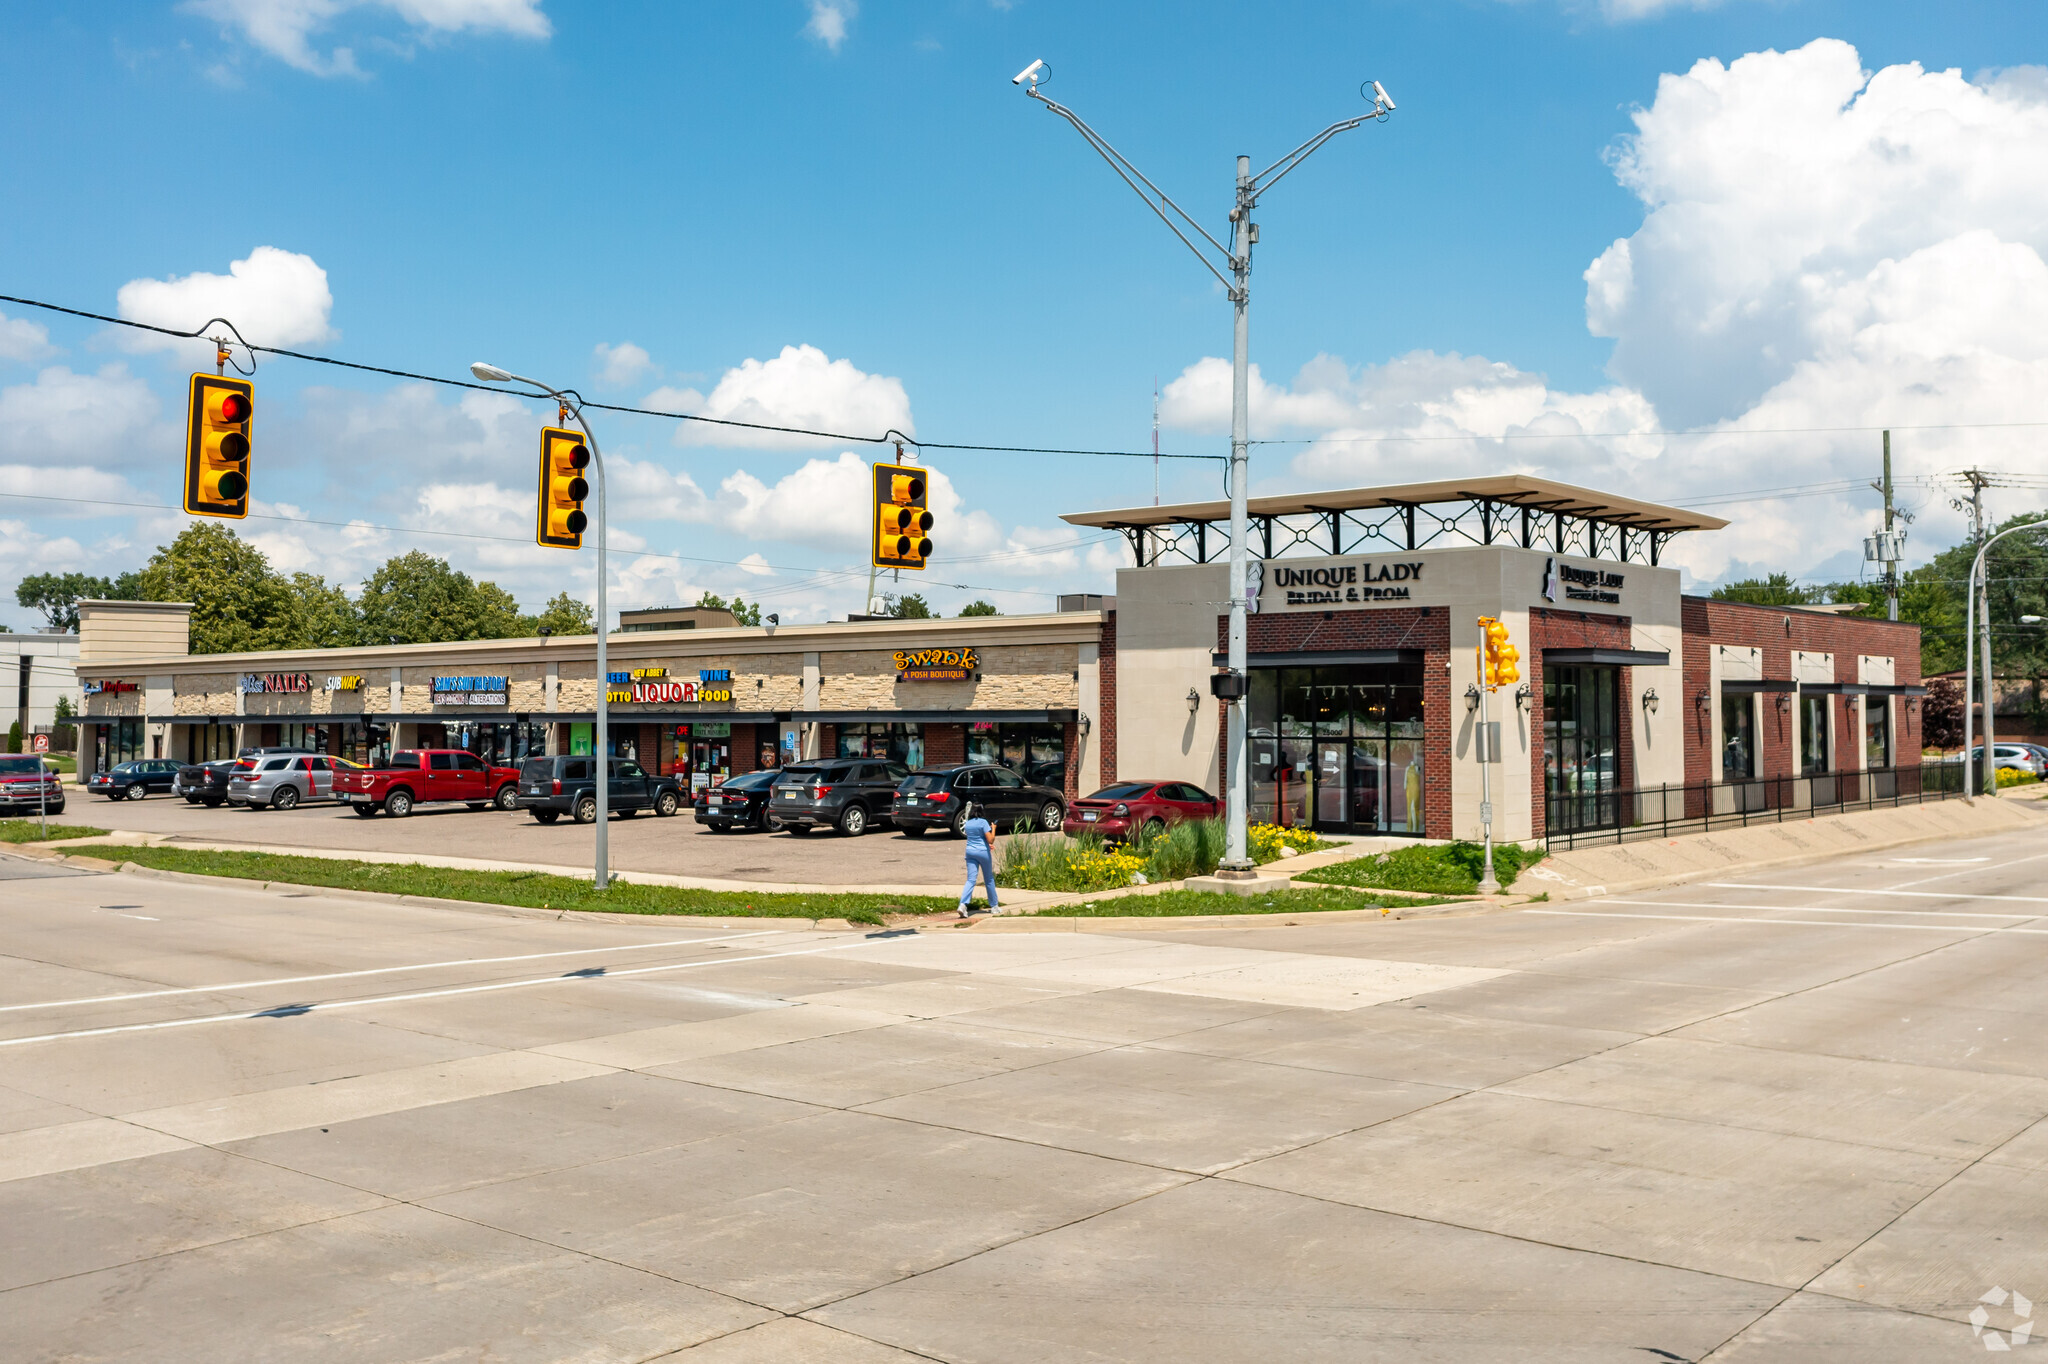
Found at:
(1361, 707)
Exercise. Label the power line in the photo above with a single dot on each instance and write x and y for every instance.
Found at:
(887, 437)
(1691, 432)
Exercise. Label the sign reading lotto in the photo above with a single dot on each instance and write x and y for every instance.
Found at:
(653, 686)
(255, 683)
(470, 691)
(936, 665)
(1338, 582)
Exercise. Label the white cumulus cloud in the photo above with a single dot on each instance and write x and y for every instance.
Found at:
(285, 28)
(64, 421)
(23, 340)
(621, 364)
(829, 19)
(273, 297)
(801, 387)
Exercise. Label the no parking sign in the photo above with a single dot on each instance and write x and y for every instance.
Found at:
(42, 743)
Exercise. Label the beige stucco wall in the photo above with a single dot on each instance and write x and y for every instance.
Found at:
(1165, 634)
(1013, 677)
(110, 631)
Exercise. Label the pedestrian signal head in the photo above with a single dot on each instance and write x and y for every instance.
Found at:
(217, 445)
(563, 459)
(903, 522)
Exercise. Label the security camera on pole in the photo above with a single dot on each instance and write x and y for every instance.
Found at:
(1244, 233)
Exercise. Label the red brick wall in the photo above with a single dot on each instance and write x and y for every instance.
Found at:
(945, 745)
(1554, 629)
(1070, 739)
(828, 741)
(1105, 723)
(1779, 632)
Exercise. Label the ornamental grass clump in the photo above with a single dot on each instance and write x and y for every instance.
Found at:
(1052, 862)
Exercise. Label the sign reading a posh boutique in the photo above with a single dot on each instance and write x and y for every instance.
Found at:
(936, 665)
(470, 691)
(1339, 582)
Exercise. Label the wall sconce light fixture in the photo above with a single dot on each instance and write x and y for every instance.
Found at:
(1784, 702)
(1472, 697)
(1522, 695)
(1083, 724)
(1650, 700)
(1705, 700)
(1194, 700)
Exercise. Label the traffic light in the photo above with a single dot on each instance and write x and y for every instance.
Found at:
(217, 445)
(1498, 659)
(902, 522)
(563, 458)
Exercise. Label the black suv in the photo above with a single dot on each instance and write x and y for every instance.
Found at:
(204, 783)
(848, 794)
(740, 801)
(566, 785)
(938, 797)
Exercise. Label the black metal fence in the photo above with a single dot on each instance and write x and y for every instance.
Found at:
(1573, 818)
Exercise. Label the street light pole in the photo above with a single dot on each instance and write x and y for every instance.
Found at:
(1238, 256)
(1970, 600)
(601, 763)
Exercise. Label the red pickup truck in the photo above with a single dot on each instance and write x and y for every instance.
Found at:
(416, 776)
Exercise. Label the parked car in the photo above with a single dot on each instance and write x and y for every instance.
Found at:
(566, 784)
(937, 798)
(737, 802)
(847, 794)
(1132, 809)
(412, 777)
(204, 783)
(2010, 755)
(28, 785)
(281, 782)
(133, 781)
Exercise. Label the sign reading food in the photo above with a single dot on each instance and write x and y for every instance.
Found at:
(936, 665)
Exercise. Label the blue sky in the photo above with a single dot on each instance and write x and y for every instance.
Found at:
(847, 215)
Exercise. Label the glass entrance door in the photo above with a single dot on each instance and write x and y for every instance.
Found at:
(1338, 748)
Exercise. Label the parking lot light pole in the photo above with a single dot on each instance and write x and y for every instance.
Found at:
(1990, 776)
(1238, 256)
(491, 374)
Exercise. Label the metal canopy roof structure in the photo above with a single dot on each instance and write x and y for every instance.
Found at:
(1503, 509)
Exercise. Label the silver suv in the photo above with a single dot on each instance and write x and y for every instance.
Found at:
(279, 782)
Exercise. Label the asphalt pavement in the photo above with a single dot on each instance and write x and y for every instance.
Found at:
(1796, 1116)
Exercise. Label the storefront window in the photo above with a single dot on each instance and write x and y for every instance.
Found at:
(581, 738)
(1338, 747)
(1038, 753)
(366, 744)
(1581, 745)
(1738, 736)
(903, 743)
(209, 743)
(1813, 735)
(1877, 732)
(120, 742)
(501, 743)
(310, 737)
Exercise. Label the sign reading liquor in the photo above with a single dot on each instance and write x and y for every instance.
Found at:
(1339, 582)
(936, 665)
(471, 691)
(254, 683)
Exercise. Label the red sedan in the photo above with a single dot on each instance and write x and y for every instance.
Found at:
(1139, 809)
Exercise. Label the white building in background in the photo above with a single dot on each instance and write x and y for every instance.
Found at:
(34, 671)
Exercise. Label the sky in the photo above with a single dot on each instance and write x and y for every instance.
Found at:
(1693, 253)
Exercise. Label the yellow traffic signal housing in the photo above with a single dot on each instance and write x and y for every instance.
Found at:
(903, 523)
(563, 458)
(1498, 659)
(217, 445)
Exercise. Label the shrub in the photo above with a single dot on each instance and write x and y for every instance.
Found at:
(1447, 869)
(2012, 776)
(1264, 841)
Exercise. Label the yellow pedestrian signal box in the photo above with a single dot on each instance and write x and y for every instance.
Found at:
(217, 445)
(902, 522)
(563, 458)
(1499, 661)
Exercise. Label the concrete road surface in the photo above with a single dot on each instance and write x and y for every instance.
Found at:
(678, 846)
(1799, 1117)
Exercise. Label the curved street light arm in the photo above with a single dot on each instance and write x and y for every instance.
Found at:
(1134, 177)
(1970, 665)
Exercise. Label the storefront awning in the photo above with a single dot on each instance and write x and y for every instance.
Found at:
(1738, 686)
(1625, 658)
(933, 717)
(1308, 658)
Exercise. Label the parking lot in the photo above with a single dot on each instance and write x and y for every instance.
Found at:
(676, 847)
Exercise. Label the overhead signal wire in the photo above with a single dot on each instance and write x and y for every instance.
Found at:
(888, 437)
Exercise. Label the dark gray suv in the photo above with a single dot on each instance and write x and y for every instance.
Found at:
(851, 795)
(567, 785)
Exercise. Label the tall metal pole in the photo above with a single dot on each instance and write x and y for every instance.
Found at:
(1891, 568)
(1236, 855)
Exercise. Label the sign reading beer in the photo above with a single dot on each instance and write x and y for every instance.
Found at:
(936, 665)
(255, 683)
(470, 691)
(1340, 583)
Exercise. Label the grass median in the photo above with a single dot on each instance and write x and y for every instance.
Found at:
(1433, 869)
(532, 890)
(1173, 903)
(31, 831)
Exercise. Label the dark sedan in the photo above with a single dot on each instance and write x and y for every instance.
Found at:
(204, 783)
(133, 781)
(737, 803)
(938, 797)
(1140, 809)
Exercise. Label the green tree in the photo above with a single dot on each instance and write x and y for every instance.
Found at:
(322, 615)
(1776, 590)
(978, 607)
(418, 599)
(741, 611)
(565, 616)
(1941, 715)
(910, 607)
(238, 602)
(57, 595)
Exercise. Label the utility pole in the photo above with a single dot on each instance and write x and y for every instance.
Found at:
(1980, 584)
(1238, 255)
(1891, 567)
